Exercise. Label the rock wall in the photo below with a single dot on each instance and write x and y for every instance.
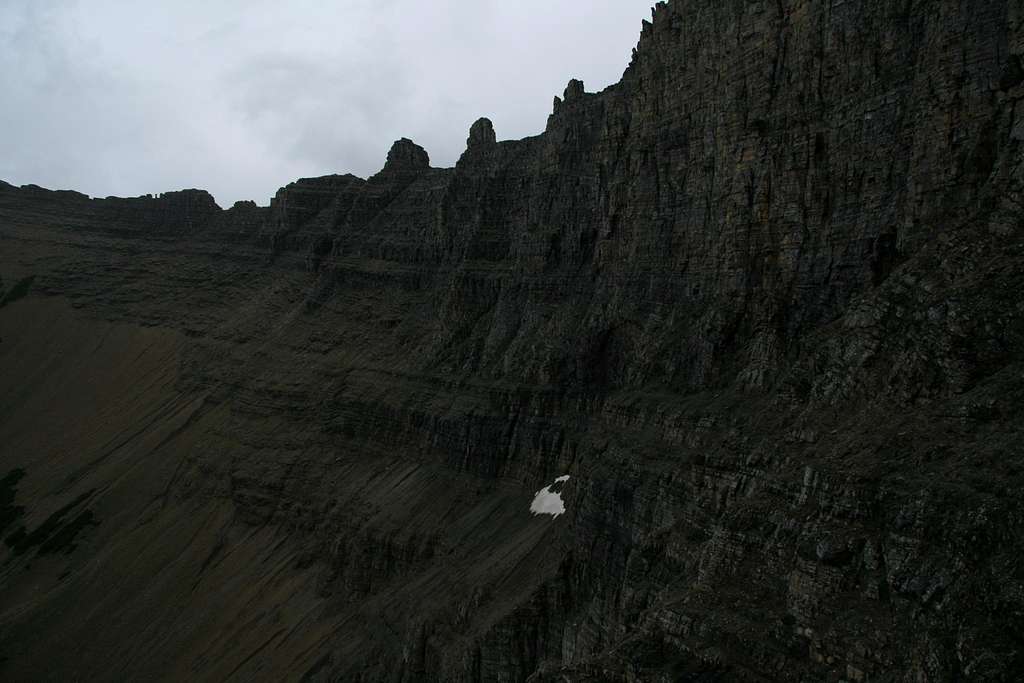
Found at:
(759, 300)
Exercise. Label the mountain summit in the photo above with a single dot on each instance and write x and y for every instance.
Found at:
(755, 310)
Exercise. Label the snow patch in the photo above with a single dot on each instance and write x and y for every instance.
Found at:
(548, 502)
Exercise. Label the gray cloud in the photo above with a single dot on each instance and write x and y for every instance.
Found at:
(241, 97)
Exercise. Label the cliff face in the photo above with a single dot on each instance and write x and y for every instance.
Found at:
(759, 300)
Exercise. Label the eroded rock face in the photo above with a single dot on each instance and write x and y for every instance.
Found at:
(406, 155)
(481, 135)
(759, 300)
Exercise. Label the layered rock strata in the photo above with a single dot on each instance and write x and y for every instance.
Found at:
(759, 300)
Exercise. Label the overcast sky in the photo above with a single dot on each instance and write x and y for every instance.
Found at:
(240, 97)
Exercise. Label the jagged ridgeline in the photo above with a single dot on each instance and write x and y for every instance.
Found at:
(755, 310)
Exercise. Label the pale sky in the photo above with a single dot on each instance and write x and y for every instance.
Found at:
(240, 97)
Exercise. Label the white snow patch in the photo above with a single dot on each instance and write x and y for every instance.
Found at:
(548, 502)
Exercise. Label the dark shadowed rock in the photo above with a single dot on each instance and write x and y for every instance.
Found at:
(406, 155)
(481, 134)
(1013, 73)
(760, 299)
(574, 90)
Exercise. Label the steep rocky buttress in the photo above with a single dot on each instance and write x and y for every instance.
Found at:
(759, 301)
